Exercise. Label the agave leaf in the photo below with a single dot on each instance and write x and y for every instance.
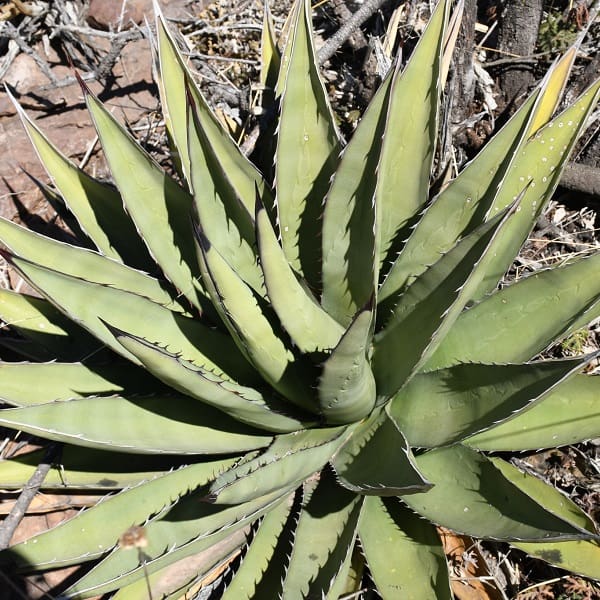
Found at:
(92, 305)
(190, 527)
(404, 553)
(553, 86)
(84, 468)
(176, 78)
(132, 424)
(54, 336)
(266, 106)
(522, 319)
(82, 263)
(155, 202)
(258, 556)
(346, 390)
(181, 579)
(270, 56)
(408, 143)
(284, 46)
(539, 166)
(468, 398)
(19, 382)
(104, 523)
(325, 534)
(579, 556)
(226, 220)
(484, 503)
(346, 578)
(270, 583)
(97, 206)
(243, 403)
(450, 216)
(307, 150)
(250, 328)
(348, 233)
(550, 498)
(57, 202)
(567, 415)
(309, 326)
(429, 307)
(456, 211)
(359, 467)
(290, 459)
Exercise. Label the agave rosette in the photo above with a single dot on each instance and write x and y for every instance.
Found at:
(315, 366)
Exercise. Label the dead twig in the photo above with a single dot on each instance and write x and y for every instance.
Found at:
(331, 46)
(12, 33)
(10, 524)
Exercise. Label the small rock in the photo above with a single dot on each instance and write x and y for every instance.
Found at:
(113, 15)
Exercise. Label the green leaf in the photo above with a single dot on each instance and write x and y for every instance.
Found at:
(484, 503)
(289, 460)
(82, 263)
(324, 537)
(579, 556)
(97, 206)
(309, 326)
(567, 415)
(228, 223)
(359, 465)
(522, 319)
(463, 204)
(19, 382)
(54, 336)
(180, 579)
(409, 139)
(307, 149)
(553, 500)
(270, 583)
(175, 78)
(85, 468)
(242, 403)
(104, 523)
(348, 232)
(430, 306)
(404, 553)
(270, 56)
(553, 86)
(258, 556)
(161, 424)
(190, 527)
(57, 202)
(458, 209)
(347, 390)
(92, 305)
(445, 406)
(538, 166)
(159, 207)
(250, 328)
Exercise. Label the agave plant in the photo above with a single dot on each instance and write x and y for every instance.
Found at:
(296, 378)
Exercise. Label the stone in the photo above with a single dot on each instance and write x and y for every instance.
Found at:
(117, 15)
(61, 114)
